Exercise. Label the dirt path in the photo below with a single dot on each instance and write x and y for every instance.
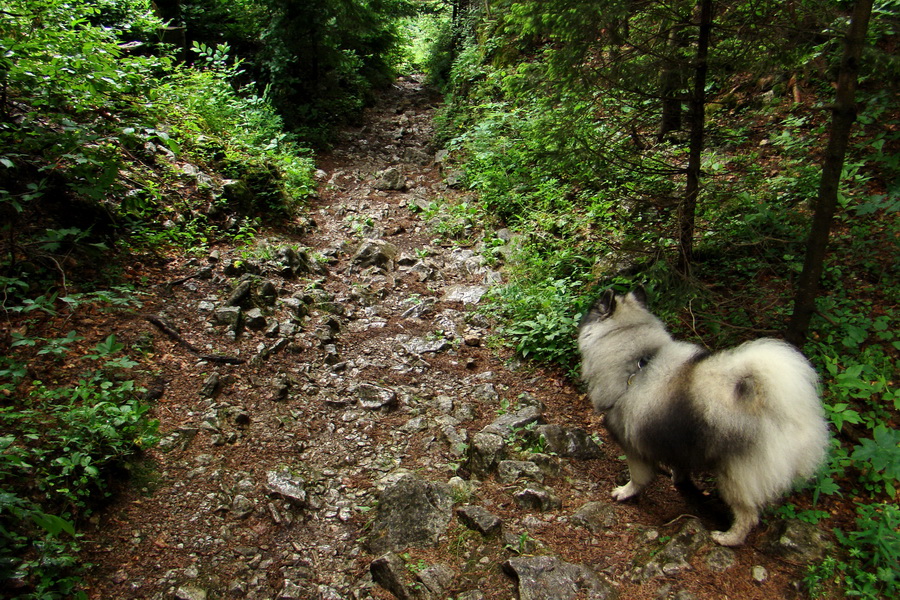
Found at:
(366, 359)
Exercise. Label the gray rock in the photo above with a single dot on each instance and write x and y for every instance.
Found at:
(676, 555)
(296, 307)
(436, 579)
(485, 392)
(411, 512)
(720, 558)
(535, 497)
(228, 315)
(254, 319)
(467, 294)
(287, 485)
(797, 541)
(508, 471)
(240, 296)
(420, 346)
(457, 438)
(759, 574)
(571, 443)
(595, 516)
(505, 424)
(292, 591)
(235, 190)
(190, 592)
(268, 293)
(211, 386)
(242, 506)
(389, 572)
(479, 519)
(290, 262)
(375, 253)
(390, 179)
(485, 452)
(550, 465)
(454, 178)
(375, 397)
(549, 578)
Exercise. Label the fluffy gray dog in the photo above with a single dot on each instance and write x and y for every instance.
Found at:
(750, 415)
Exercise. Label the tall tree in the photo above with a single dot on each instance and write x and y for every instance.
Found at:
(843, 116)
(688, 207)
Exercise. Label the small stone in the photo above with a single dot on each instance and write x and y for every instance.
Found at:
(467, 294)
(291, 591)
(479, 519)
(228, 315)
(508, 471)
(242, 506)
(389, 571)
(240, 295)
(472, 340)
(377, 253)
(287, 485)
(759, 574)
(254, 319)
(375, 397)
(797, 541)
(720, 558)
(296, 307)
(211, 386)
(190, 592)
(548, 577)
(390, 179)
(570, 443)
(537, 498)
(437, 579)
(486, 451)
(595, 516)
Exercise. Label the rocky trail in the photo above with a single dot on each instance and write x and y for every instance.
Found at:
(372, 444)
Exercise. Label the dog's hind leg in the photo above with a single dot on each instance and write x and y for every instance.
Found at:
(641, 473)
(745, 519)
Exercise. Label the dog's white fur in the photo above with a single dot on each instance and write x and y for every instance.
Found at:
(751, 415)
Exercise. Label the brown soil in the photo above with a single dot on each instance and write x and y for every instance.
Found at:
(174, 525)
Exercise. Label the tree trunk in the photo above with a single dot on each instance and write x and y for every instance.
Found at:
(670, 82)
(843, 115)
(688, 208)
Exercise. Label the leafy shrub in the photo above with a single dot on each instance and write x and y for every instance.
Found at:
(542, 320)
(872, 570)
(63, 446)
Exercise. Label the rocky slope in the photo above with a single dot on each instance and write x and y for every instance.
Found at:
(373, 444)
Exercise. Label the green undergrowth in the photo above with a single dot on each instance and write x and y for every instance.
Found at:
(107, 140)
(67, 440)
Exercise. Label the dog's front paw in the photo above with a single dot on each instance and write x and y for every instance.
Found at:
(728, 538)
(626, 491)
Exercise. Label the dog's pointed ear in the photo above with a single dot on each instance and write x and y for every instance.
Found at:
(606, 303)
(640, 294)
(602, 308)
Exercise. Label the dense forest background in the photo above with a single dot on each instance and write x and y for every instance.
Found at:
(680, 145)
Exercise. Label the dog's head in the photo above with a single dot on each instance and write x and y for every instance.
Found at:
(631, 307)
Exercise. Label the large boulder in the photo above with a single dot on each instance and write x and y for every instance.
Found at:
(549, 578)
(412, 512)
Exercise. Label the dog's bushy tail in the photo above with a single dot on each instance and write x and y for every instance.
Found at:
(785, 398)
